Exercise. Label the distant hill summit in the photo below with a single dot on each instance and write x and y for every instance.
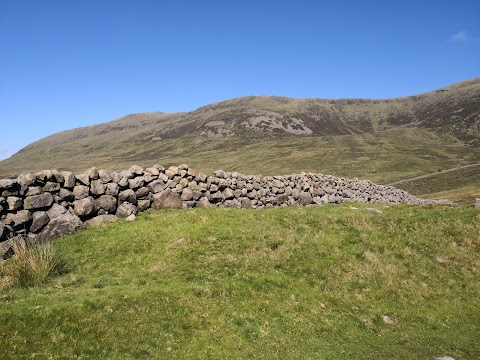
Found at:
(381, 139)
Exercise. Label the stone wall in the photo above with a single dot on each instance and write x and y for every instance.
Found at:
(53, 203)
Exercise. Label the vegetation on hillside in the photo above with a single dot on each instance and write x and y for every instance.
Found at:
(379, 140)
(332, 282)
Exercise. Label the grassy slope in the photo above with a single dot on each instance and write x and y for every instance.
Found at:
(292, 283)
(462, 186)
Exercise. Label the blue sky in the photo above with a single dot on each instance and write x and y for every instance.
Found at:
(67, 64)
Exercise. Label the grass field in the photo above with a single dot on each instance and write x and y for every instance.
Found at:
(326, 282)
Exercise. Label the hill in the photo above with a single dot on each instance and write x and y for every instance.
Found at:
(382, 140)
(327, 282)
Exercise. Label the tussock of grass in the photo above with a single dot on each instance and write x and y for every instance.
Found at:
(32, 264)
(286, 283)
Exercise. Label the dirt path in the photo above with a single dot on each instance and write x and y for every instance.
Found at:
(433, 174)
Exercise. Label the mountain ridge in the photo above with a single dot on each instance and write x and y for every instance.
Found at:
(384, 140)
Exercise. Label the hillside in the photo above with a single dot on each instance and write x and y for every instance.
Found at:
(382, 140)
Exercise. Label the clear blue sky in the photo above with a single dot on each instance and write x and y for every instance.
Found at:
(67, 64)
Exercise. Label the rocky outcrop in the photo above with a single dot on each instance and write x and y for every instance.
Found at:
(49, 204)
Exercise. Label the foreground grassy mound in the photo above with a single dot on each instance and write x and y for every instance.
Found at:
(320, 282)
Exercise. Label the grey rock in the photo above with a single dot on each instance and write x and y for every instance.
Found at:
(220, 174)
(39, 220)
(84, 207)
(6, 184)
(127, 196)
(228, 194)
(34, 190)
(83, 179)
(104, 176)
(166, 200)
(64, 224)
(66, 195)
(216, 197)
(171, 172)
(57, 177)
(149, 177)
(55, 211)
(51, 187)
(69, 179)
(123, 182)
(305, 198)
(111, 189)
(131, 217)
(163, 177)
(125, 210)
(203, 203)
(187, 194)
(14, 203)
(92, 173)
(157, 186)
(159, 167)
(153, 171)
(81, 192)
(6, 247)
(97, 187)
(201, 177)
(26, 179)
(135, 169)
(20, 219)
(100, 219)
(245, 203)
(141, 193)
(106, 202)
(38, 201)
(143, 205)
(136, 183)
(477, 203)
(44, 175)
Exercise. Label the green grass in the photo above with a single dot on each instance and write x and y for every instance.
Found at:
(296, 283)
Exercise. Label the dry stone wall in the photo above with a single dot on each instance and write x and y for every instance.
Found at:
(52, 203)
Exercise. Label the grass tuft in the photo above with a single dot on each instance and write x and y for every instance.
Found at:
(32, 264)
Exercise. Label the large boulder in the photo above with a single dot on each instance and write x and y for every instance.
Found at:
(26, 179)
(97, 187)
(51, 186)
(18, 220)
(38, 201)
(166, 200)
(69, 179)
(106, 202)
(39, 220)
(305, 198)
(143, 205)
(84, 207)
(66, 195)
(56, 210)
(83, 179)
(112, 189)
(127, 196)
(125, 210)
(187, 194)
(81, 192)
(62, 225)
(14, 203)
(136, 182)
